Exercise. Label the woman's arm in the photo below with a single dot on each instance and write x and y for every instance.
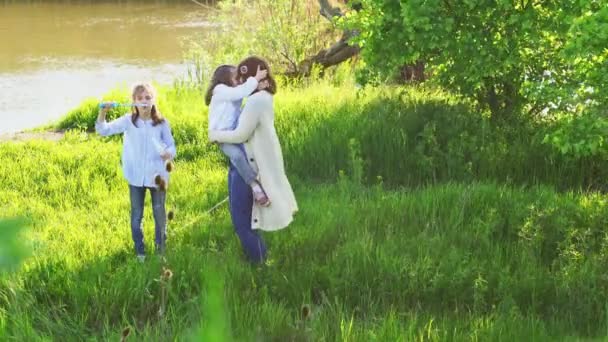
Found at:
(250, 117)
(117, 126)
(226, 93)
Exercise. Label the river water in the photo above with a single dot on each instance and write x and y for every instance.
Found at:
(54, 55)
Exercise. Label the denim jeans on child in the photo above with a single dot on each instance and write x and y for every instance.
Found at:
(238, 158)
(137, 194)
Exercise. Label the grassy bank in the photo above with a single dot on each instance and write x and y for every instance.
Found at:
(418, 221)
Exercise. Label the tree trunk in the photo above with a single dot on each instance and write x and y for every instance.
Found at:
(412, 72)
(339, 52)
(336, 54)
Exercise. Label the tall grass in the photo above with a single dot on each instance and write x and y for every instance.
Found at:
(406, 136)
(413, 226)
(443, 262)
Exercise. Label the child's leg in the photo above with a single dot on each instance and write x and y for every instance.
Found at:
(238, 158)
(160, 218)
(137, 195)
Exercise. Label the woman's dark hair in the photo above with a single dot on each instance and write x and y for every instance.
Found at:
(249, 67)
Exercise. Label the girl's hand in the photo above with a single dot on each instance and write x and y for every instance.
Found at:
(105, 106)
(165, 156)
(261, 74)
(103, 111)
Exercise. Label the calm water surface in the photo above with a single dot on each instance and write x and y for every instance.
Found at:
(52, 56)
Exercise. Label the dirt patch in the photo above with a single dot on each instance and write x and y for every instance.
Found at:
(27, 136)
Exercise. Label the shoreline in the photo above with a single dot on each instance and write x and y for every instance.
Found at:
(49, 135)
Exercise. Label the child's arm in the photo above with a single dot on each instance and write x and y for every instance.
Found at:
(117, 126)
(167, 138)
(226, 93)
(248, 122)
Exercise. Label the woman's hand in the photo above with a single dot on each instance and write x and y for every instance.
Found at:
(261, 74)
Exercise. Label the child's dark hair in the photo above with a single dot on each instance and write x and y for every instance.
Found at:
(221, 75)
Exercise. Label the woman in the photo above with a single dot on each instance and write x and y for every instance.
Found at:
(257, 133)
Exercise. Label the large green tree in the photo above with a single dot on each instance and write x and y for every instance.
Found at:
(580, 99)
(496, 52)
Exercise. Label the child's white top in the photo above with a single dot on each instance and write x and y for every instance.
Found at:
(142, 146)
(225, 105)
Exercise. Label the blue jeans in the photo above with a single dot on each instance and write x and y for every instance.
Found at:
(241, 201)
(138, 194)
(238, 158)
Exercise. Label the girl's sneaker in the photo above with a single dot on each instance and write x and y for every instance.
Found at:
(141, 258)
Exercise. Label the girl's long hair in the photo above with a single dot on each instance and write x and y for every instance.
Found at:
(221, 75)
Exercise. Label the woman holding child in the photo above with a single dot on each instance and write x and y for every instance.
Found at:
(257, 138)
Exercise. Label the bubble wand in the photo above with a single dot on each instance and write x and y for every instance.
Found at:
(118, 104)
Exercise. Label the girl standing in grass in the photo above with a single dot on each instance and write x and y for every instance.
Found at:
(147, 145)
(224, 98)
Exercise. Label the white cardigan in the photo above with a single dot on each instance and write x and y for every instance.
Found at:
(256, 130)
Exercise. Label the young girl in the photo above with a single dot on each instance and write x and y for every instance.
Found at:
(224, 98)
(147, 145)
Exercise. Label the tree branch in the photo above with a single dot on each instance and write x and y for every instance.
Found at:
(328, 11)
(339, 52)
(294, 65)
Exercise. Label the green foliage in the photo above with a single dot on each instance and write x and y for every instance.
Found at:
(214, 327)
(12, 248)
(580, 99)
(489, 51)
(284, 32)
(447, 261)
(13, 251)
(454, 239)
(544, 59)
(420, 218)
(406, 136)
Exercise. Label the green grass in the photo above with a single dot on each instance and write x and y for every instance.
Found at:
(407, 136)
(470, 232)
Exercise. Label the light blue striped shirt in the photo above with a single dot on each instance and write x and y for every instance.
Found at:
(142, 146)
